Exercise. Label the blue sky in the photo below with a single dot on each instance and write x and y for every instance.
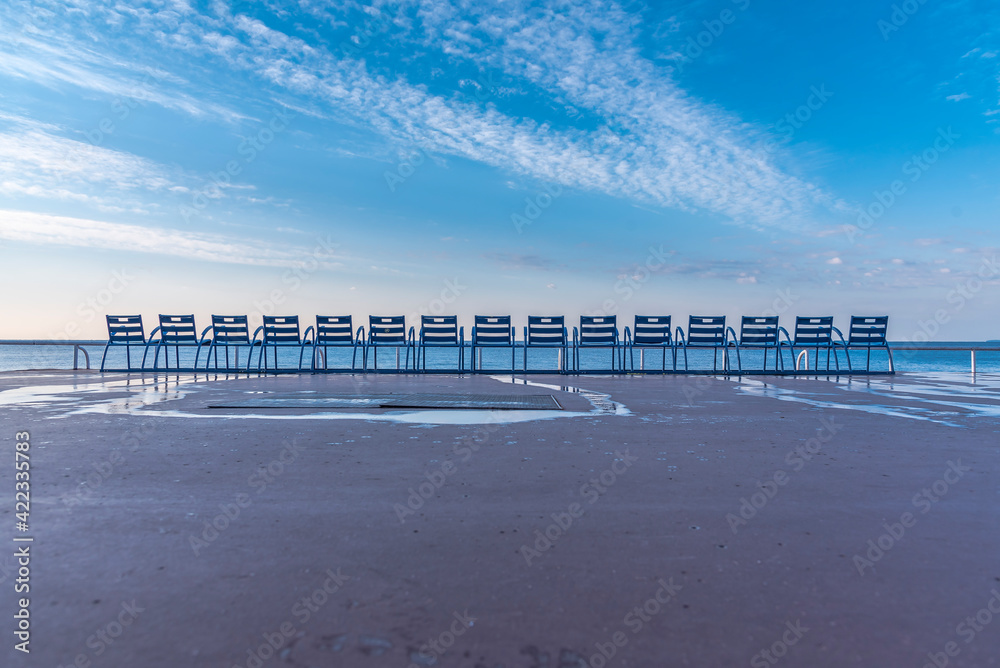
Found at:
(725, 157)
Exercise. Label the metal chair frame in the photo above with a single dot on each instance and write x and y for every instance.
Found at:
(389, 332)
(869, 332)
(491, 331)
(759, 332)
(335, 331)
(598, 332)
(279, 331)
(228, 330)
(441, 331)
(125, 330)
(707, 332)
(545, 331)
(651, 332)
(176, 331)
(815, 332)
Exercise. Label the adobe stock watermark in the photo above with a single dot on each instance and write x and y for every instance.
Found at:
(779, 648)
(430, 652)
(697, 45)
(967, 629)
(795, 120)
(900, 14)
(294, 277)
(449, 294)
(959, 297)
(248, 149)
(636, 620)
(103, 638)
(258, 481)
(97, 304)
(797, 460)
(923, 500)
(535, 206)
(302, 611)
(914, 168)
(562, 521)
(436, 479)
(405, 168)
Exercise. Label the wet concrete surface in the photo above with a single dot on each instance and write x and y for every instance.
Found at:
(666, 521)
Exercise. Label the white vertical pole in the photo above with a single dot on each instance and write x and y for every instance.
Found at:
(973, 361)
(642, 359)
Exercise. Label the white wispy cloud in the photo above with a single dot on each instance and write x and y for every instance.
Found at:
(645, 138)
(39, 228)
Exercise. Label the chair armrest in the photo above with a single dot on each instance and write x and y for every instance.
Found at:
(730, 330)
(839, 336)
(359, 336)
(681, 341)
(152, 334)
(305, 335)
(201, 340)
(412, 335)
(461, 336)
(628, 336)
(257, 331)
(576, 340)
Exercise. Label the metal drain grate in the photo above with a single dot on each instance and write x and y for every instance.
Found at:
(540, 402)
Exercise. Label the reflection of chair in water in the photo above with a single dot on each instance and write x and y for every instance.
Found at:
(491, 331)
(441, 331)
(651, 332)
(596, 332)
(546, 332)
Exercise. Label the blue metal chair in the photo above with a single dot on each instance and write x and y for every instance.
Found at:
(280, 331)
(546, 332)
(491, 331)
(336, 331)
(442, 331)
(228, 330)
(816, 333)
(125, 330)
(869, 332)
(760, 332)
(176, 331)
(707, 332)
(651, 332)
(389, 332)
(597, 332)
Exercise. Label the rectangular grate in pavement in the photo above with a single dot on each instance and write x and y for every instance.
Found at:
(541, 402)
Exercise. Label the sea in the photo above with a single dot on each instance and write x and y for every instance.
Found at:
(952, 357)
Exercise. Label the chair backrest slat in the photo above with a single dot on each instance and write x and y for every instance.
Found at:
(546, 330)
(178, 329)
(492, 330)
(334, 329)
(652, 330)
(389, 330)
(813, 331)
(759, 330)
(230, 330)
(868, 330)
(281, 329)
(125, 329)
(439, 329)
(706, 330)
(598, 329)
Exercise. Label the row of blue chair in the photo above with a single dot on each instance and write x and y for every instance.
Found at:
(762, 333)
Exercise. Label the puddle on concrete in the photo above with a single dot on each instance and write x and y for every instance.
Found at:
(980, 395)
(145, 395)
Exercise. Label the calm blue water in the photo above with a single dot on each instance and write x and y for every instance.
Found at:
(29, 357)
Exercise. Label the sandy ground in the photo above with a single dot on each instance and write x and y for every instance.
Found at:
(692, 524)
